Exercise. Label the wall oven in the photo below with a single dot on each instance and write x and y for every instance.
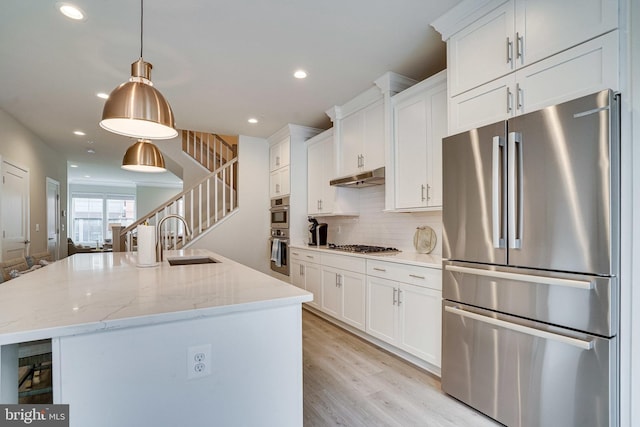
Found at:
(279, 241)
(280, 213)
(279, 246)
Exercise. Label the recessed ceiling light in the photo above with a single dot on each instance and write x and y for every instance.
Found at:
(70, 11)
(91, 151)
(90, 142)
(253, 120)
(87, 176)
(73, 166)
(300, 74)
(79, 133)
(102, 95)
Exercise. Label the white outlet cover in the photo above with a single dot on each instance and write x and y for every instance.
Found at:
(199, 361)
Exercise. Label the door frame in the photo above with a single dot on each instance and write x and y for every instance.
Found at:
(56, 212)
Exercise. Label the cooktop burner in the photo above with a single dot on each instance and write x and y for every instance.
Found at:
(362, 249)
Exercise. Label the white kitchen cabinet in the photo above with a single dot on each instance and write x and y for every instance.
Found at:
(362, 140)
(279, 182)
(420, 118)
(344, 288)
(306, 274)
(279, 154)
(404, 308)
(579, 71)
(518, 33)
(322, 198)
(321, 170)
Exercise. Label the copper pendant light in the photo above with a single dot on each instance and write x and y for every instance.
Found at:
(143, 156)
(136, 108)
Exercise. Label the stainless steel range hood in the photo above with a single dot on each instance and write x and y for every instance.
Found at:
(361, 180)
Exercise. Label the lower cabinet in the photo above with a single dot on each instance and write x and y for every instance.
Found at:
(343, 296)
(344, 289)
(305, 273)
(396, 303)
(406, 315)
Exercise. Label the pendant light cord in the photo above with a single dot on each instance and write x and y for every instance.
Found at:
(141, 24)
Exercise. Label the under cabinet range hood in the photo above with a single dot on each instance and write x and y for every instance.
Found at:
(360, 180)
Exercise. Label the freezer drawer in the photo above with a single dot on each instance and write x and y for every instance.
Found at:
(583, 302)
(524, 373)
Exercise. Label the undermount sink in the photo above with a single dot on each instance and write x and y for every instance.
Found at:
(190, 260)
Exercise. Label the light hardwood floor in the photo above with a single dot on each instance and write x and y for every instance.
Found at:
(350, 382)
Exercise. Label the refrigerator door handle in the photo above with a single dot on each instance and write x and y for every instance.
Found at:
(497, 193)
(585, 345)
(544, 280)
(515, 196)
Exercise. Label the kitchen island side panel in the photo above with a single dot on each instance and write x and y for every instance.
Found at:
(138, 376)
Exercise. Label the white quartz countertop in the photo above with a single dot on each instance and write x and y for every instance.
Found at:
(403, 257)
(86, 293)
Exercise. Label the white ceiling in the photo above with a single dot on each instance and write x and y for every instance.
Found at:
(217, 62)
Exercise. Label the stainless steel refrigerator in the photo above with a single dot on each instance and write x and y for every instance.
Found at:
(530, 277)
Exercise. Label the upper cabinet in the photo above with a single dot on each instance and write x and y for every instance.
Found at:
(516, 33)
(584, 69)
(279, 154)
(362, 126)
(420, 118)
(506, 58)
(322, 198)
(279, 177)
(362, 145)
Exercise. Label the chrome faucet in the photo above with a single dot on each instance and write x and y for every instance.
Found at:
(187, 230)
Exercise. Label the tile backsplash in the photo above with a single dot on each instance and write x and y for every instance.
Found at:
(376, 227)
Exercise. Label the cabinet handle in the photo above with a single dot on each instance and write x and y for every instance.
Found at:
(415, 276)
(422, 196)
(509, 50)
(295, 253)
(309, 256)
(320, 204)
(518, 96)
(301, 270)
(277, 160)
(379, 269)
(395, 292)
(428, 192)
(509, 100)
(399, 297)
(519, 47)
(277, 188)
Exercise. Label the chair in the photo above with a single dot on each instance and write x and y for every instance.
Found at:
(72, 248)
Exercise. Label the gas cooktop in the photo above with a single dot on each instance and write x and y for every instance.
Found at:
(362, 249)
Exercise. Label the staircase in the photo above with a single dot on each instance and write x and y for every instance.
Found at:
(204, 204)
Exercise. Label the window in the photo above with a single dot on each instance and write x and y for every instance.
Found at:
(93, 214)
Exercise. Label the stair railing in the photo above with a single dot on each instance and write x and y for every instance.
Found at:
(203, 205)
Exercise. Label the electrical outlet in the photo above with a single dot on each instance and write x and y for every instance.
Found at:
(199, 361)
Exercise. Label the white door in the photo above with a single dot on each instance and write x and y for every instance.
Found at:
(15, 211)
(53, 218)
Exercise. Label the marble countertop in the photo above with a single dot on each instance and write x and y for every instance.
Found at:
(403, 257)
(90, 292)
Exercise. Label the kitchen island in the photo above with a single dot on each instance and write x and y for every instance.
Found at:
(125, 339)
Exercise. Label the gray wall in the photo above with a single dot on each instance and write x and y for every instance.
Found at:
(23, 148)
(148, 198)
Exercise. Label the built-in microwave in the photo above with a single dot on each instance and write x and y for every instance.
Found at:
(280, 213)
